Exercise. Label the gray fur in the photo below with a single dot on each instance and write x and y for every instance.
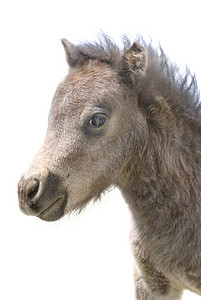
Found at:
(149, 147)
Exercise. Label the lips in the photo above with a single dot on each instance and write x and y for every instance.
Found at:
(55, 211)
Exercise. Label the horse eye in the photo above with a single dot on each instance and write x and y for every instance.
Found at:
(97, 120)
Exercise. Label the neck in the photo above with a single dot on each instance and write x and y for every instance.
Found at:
(154, 183)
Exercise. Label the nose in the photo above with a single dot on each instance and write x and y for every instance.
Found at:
(29, 191)
(32, 189)
(42, 195)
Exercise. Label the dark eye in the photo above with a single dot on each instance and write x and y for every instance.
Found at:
(97, 120)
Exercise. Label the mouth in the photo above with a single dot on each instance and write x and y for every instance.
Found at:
(55, 211)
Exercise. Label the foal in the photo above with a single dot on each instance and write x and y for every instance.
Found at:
(127, 118)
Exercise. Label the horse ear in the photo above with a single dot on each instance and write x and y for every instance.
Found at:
(74, 56)
(134, 63)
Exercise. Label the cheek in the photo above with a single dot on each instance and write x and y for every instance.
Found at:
(86, 159)
(107, 157)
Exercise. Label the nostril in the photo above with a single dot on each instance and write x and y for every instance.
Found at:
(32, 189)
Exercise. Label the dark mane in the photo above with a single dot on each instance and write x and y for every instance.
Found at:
(105, 50)
(163, 77)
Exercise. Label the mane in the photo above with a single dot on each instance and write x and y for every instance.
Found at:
(105, 50)
(163, 78)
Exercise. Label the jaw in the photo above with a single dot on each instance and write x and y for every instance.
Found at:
(76, 204)
(62, 206)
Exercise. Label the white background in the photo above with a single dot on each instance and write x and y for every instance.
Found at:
(85, 256)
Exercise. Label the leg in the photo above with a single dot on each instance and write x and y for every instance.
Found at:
(153, 285)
